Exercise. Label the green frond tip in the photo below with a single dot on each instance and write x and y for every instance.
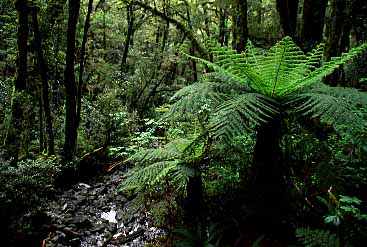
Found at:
(279, 71)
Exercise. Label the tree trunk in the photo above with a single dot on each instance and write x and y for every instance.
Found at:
(337, 27)
(337, 32)
(359, 19)
(13, 137)
(130, 33)
(313, 23)
(194, 216)
(223, 16)
(270, 187)
(40, 114)
(44, 78)
(70, 85)
(288, 16)
(82, 61)
(240, 28)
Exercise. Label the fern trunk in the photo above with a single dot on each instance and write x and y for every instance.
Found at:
(269, 180)
(194, 204)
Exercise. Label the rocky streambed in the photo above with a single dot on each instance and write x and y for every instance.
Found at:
(94, 213)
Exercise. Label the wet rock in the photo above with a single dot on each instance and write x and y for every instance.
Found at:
(76, 214)
(75, 242)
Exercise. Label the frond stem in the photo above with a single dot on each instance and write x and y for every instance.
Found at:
(276, 77)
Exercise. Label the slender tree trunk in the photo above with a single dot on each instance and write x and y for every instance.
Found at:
(206, 20)
(130, 33)
(40, 114)
(70, 85)
(288, 16)
(313, 23)
(44, 78)
(192, 49)
(13, 137)
(82, 61)
(222, 26)
(240, 28)
(104, 41)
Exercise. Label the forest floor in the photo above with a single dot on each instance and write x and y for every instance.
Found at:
(94, 213)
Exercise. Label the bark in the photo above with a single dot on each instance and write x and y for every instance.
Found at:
(130, 33)
(337, 32)
(22, 9)
(313, 23)
(270, 187)
(288, 16)
(44, 79)
(240, 28)
(82, 61)
(337, 27)
(223, 16)
(194, 216)
(192, 49)
(40, 114)
(70, 85)
(359, 20)
(13, 137)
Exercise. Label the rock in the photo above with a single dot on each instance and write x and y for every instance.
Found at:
(98, 228)
(75, 242)
(112, 227)
(80, 200)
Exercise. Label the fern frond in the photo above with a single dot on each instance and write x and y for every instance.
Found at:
(328, 67)
(180, 176)
(192, 99)
(316, 237)
(154, 155)
(331, 109)
(141, 177)
(240, 114)
(351, 95)
(314, 57)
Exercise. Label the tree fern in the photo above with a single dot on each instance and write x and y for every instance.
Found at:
(263, 82)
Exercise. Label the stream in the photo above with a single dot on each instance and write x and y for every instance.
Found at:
(94, 213)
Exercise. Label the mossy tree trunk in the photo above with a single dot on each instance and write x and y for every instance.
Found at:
(70, 83)
(130, 32)
(239, 25)
(82, 61)
(44, 78)
(13, 137)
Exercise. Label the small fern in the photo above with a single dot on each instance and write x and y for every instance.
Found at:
(316, 238)
(173, 161)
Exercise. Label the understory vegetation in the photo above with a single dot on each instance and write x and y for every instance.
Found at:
(239, 123)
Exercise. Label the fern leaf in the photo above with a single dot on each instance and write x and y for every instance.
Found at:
(331, 109)
(148, 176)
(328, 67)
(242, 113)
